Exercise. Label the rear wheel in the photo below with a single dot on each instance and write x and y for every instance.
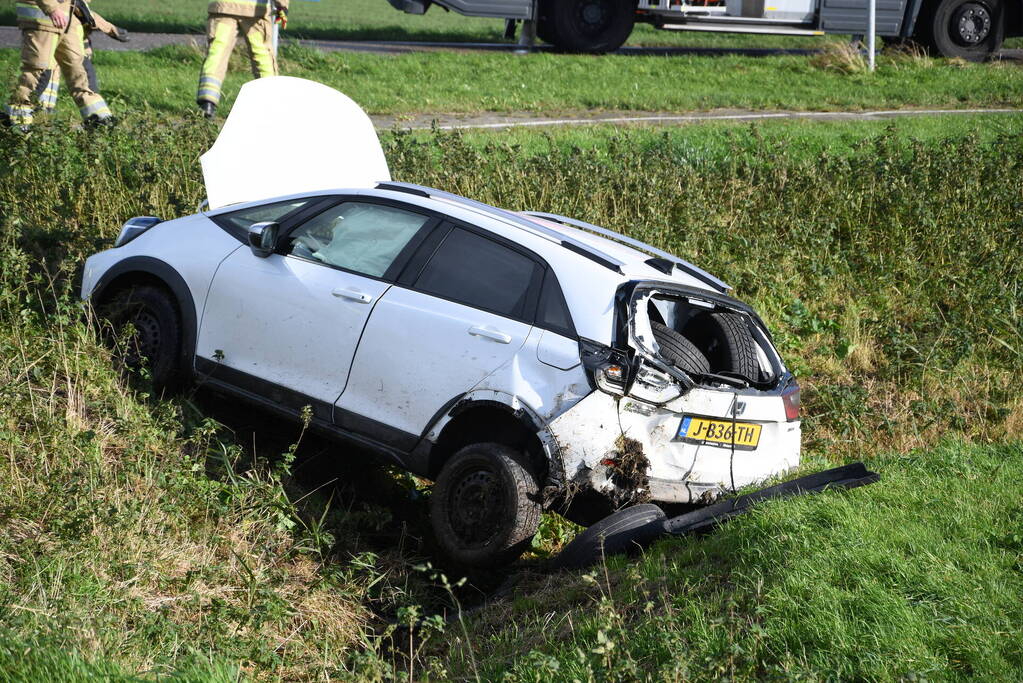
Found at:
(968, 29)
(485, 506)
(155, 340)
(587, 25)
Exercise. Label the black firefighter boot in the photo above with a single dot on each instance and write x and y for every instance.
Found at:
(208, 109)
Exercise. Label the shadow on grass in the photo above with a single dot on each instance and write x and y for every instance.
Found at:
(353, 503)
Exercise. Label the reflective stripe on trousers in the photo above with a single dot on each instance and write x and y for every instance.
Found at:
(27, 12)
(222, 33)
(20, 114)
(98, 108)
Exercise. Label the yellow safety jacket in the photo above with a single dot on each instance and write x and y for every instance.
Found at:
(35, 14)
(244, 8)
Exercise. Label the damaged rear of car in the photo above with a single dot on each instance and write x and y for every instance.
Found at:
(693, 401)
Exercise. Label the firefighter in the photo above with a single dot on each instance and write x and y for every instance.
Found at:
(49, 84)
(52, 34)
(252, 19)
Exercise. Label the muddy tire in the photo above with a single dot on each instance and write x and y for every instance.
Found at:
(156, 342)
(485, 506)
(627, 530)
(679, 351)
(725, 339)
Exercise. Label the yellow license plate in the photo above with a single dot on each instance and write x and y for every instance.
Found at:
(703, 430)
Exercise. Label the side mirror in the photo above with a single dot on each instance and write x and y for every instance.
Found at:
(263, 238)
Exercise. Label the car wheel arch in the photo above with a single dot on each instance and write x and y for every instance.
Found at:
(146, 270)
(495, 417)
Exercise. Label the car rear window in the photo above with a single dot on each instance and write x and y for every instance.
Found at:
(479, 272)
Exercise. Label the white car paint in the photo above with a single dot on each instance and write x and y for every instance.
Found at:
(404, 359)
(419, 351)
(290, 321)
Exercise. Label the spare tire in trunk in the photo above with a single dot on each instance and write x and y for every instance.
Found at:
(679, 351)
(726, 341)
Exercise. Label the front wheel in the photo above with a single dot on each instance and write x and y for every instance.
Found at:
(485, 506)
(155, 340)
(968, 29)
(588, 25)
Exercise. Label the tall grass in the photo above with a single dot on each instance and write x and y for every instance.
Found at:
(136, 535)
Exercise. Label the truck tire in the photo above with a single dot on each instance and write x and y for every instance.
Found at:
(588, 25)
(485, 505)
(545, 24)
(725, 340)
(968, 29)
(156, 342)
(679, 351)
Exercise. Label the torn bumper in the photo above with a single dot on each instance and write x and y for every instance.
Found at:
(677, 470)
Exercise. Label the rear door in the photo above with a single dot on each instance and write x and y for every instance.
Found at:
(293, 320)
(463, 308)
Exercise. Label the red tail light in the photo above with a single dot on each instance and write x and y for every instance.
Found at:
(791, 400)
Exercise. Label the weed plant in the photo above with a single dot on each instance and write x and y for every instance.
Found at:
(138, 535)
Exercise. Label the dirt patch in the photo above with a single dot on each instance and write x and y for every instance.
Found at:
(628, 467)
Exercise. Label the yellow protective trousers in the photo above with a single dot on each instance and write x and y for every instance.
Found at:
(49, 84)
(40, 51)
(221, 33)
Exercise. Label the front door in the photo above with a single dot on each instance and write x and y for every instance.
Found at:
(294, 318)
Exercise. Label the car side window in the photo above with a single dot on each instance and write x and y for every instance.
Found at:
(237, 222)
(480, 272)
(552, 312)
(360, 237)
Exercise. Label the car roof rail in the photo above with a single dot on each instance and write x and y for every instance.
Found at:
(596, 255)
(684, 266)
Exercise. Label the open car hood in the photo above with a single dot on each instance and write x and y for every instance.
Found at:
(288, 135)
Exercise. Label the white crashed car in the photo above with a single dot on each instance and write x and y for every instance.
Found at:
(522, 361)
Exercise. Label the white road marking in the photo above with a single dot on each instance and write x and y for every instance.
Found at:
(684, 118)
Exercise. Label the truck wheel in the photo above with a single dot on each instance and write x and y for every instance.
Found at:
(545, 24)
(969, 29)
(156, 341)
(590, 25)
(485, 506)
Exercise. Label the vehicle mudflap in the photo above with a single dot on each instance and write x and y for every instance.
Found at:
(635, 527)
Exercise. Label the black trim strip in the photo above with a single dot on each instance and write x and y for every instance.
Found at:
(511, 217)
(291, 402)
(593, 257)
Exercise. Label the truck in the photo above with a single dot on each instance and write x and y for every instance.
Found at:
(972, 30)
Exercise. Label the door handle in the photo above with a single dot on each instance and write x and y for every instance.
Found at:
(353, 294)
(496, 335)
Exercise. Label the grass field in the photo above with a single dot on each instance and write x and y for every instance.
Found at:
(145, 536)
(376, 20)
(164, 81)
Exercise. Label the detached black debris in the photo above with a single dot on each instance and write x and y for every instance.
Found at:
(639, 525)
